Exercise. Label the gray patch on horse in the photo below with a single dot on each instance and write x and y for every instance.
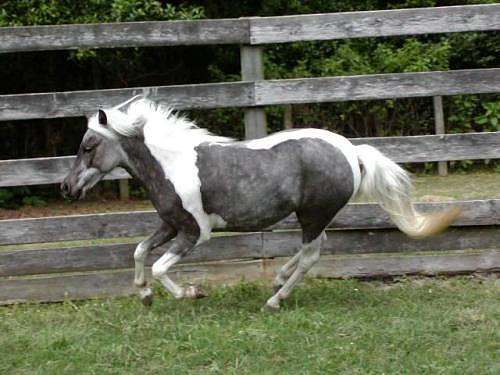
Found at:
(252, 189)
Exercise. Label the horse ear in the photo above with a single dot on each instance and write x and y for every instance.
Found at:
(103, 119)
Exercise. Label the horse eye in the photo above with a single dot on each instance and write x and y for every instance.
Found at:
(87, 148)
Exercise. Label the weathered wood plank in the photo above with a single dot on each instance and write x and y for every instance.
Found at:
(84, 103)
(252, 30)
(374, 23)
(277, 244)
(259, 93)
(119, 283)
(38, 171)
(141, 223)
(102, 257)
(58, 288)
(372, 216)
(373, 266)
(252, 69)
(425, 148)
(125, 34)
(257, 245)
(439, 128)
(78, 227)
(376, 86)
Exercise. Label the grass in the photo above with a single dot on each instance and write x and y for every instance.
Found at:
(470, 186)
(477, 185)
(414, 326)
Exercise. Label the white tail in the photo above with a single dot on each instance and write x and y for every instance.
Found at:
(388, 183)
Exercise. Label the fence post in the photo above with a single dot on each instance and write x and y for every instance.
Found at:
(439, 127)
(288, 116)
(124, 190)
(252, 69)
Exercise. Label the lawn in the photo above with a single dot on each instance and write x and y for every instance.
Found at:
(411, 326)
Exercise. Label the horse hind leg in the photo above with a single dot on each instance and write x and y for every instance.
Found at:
(308, 256)
(313, 226)
(286, 271)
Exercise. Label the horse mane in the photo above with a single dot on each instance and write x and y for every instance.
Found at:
(161, 125)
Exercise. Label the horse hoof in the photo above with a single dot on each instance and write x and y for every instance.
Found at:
(146, 297)
(195, 291)
(270, 307)
(147, 301)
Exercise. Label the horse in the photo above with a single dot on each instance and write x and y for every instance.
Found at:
(198, 182)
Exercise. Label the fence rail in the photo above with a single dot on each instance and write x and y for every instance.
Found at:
(362, 241)
(242, 246)
(410, 149)
(374, 23)
(253, 30)
(133, 224)
(257, 93)
(118, 282)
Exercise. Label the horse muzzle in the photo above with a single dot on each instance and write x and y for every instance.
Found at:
(74, 186)
(68, 191)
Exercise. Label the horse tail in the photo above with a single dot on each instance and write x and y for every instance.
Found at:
(388, 183)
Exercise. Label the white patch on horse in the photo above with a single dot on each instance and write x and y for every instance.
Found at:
(160, 269)
(336, 140)
(172, 140)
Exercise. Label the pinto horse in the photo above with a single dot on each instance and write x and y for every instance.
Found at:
(198, 182)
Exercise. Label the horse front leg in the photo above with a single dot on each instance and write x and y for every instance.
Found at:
(176, 251)
(163, 234)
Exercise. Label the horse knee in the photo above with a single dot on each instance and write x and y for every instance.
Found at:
(140, 252)
(308, 260)
(158, 270)
(311, 253)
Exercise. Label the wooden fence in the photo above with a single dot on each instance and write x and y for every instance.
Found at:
(362, 241)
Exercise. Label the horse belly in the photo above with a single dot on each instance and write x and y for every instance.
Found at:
(248, 189)
(257, 208)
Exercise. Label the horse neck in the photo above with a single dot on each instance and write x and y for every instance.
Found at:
(143, 166)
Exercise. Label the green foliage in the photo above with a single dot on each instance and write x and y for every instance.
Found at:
(490, 118)
(473, 113)
(53, 12)
(6, 197)
(386, 55)
(356, 56)
(12, 198)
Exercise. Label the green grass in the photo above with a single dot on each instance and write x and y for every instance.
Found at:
(477, 185)
(415, 326)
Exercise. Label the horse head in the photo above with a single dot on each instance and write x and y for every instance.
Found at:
(98, 154)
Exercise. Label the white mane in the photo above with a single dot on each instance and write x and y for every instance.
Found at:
(161, 126)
